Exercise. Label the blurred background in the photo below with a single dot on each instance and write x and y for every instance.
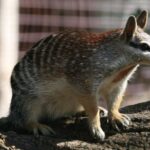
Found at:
(24, 22)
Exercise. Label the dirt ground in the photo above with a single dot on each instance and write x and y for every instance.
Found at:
(72, 134)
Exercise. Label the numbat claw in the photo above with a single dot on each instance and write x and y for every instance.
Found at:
(38, 129)
(98, 134)
(120, 121)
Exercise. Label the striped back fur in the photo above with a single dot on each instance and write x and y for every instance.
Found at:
(58, 55)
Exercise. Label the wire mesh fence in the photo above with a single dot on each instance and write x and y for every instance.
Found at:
(39, 18)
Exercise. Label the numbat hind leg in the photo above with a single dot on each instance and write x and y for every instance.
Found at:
(38, 128)
(33, 114)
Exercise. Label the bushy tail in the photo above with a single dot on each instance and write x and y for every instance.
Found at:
(4, 123)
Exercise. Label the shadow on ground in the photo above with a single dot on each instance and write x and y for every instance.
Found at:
(73, 134)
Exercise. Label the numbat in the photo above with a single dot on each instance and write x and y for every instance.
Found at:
(67, 73)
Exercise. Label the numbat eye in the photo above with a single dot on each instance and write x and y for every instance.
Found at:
(144, 47)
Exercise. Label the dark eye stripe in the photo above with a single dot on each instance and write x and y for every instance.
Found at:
(145, 47)
(142, 46)
(132, 44)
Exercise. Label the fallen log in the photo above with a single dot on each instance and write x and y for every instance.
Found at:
(72, 134)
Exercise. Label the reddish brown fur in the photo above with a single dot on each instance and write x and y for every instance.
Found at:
(93, 38)
(123, 73)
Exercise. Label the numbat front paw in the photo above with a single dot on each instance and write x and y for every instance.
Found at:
(119, 121)
(98, 133)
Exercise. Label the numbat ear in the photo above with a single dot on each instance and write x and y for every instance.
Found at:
(142, 19)
(129, 29)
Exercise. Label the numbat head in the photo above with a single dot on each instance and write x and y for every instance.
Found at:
(69, 72)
